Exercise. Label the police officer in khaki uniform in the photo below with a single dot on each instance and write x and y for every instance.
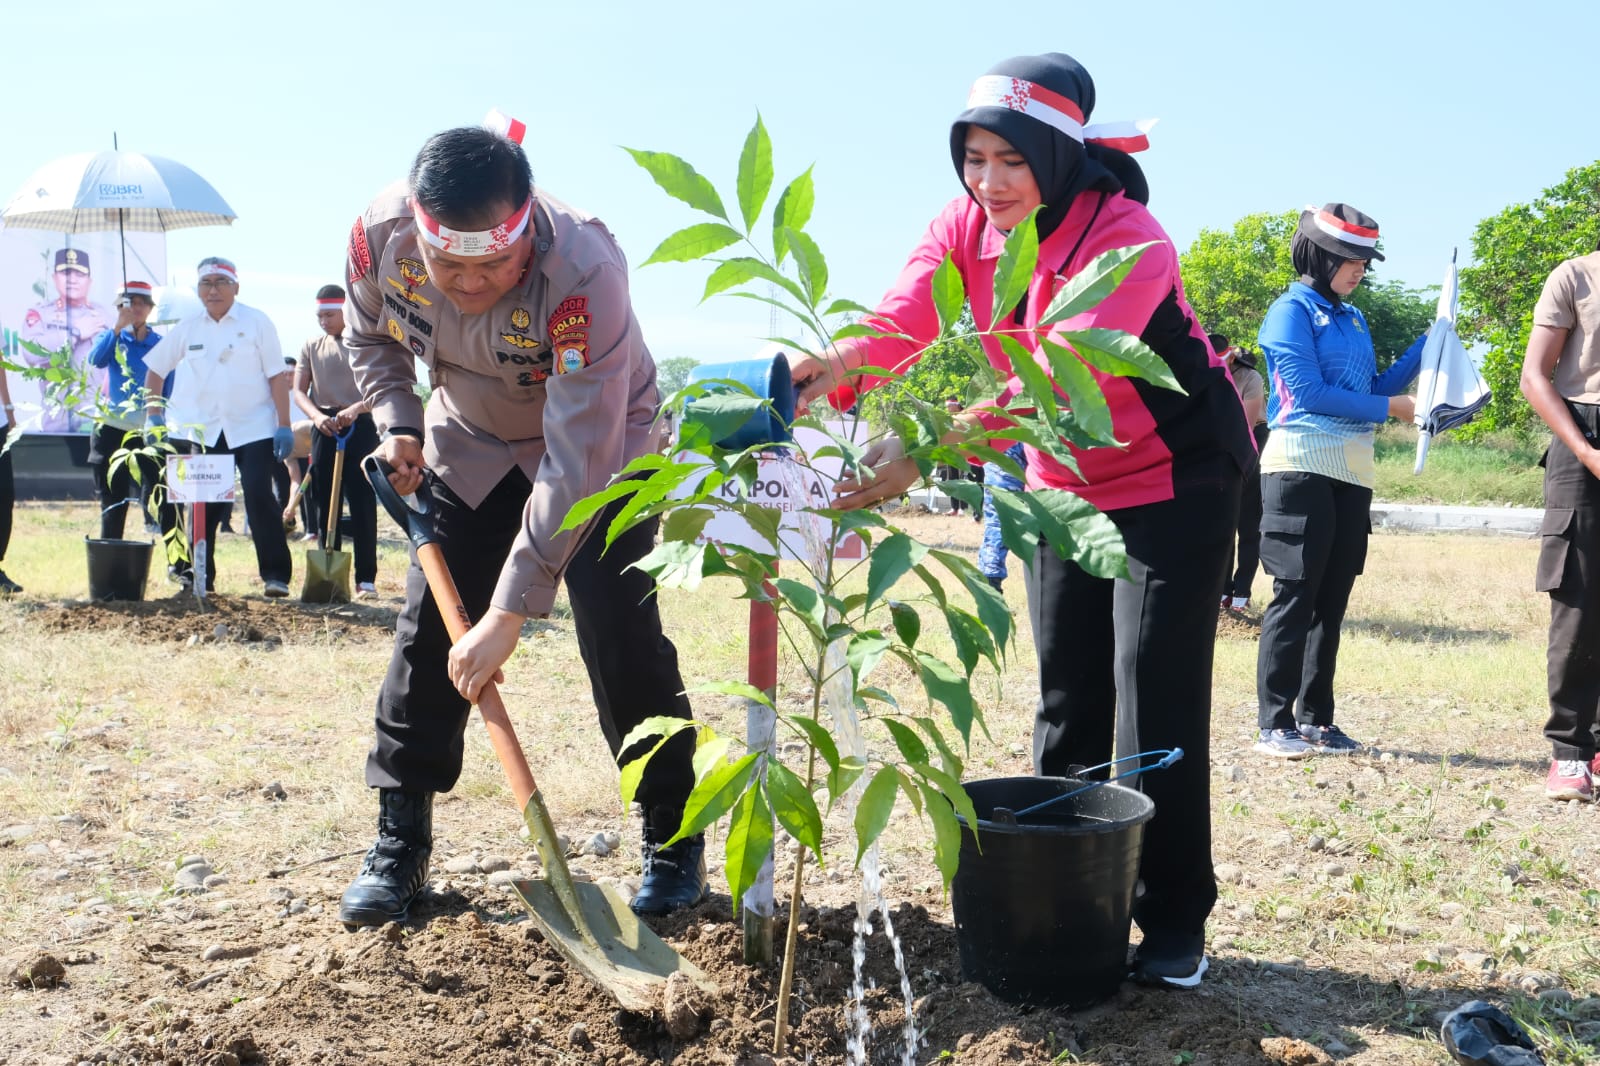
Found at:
(542, 391)
(71, 320)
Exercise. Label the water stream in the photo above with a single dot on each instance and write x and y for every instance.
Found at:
(813, 552)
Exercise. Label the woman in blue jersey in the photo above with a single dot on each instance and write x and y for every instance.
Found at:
(1317, 472)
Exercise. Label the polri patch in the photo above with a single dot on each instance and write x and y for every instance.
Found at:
(574, 356)
(360, 254)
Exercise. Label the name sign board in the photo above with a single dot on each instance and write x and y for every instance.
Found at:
(200, 478)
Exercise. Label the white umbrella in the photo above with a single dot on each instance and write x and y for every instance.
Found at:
(1450, 391)
(100, 191)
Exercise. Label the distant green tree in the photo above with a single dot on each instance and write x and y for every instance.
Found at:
(1231, 278)
(1513, 252)
(673, 374)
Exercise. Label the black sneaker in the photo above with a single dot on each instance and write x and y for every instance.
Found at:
(1330, 740)
(7, 586)
(1174, 960)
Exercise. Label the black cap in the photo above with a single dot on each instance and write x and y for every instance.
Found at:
(1342, 230)
(72, 259)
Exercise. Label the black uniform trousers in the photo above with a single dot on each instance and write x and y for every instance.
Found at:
(354, 487)
(1569, 570)
(1248, 554)
(8, 487)
(116, 487)
(1314, 532)
(633, 667)
(261, 507)
(1131, 660)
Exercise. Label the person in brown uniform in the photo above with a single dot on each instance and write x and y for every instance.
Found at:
(325, 391)
(1561, 379)
(543, 390)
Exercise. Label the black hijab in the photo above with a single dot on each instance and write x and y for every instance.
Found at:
(1062, 166)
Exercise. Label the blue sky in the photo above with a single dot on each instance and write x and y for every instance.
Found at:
(1428, 116)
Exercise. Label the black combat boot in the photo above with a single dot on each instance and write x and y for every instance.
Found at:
(397, 866)
(674, 877)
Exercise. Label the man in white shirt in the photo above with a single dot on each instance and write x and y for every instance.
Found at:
(230, 394)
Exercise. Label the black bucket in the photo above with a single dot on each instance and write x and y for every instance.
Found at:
(118, 569)
(1043, 912)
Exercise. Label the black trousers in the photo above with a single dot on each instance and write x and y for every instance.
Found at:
(1131, 660)
(633, 667)
(1314, 533)
(1569, 570)
(1248, 554)
(363, 504)
(255, 463)
(116, 487)
(8, 488)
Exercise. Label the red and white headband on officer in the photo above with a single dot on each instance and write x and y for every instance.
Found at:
(216, 266)
(1342, 230)
(487, 241)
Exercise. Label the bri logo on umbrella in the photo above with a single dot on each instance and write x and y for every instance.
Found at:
(121, 190)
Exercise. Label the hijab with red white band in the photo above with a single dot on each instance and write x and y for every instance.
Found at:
(480, 242)
(1328, 237)
(1041, 106)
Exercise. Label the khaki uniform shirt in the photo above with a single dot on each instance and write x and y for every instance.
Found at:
(333, 383)
(54, 325)
(1571, 301)
(554, 379)
(1247, 383)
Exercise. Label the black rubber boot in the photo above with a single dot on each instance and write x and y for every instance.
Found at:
(397, 866)
(674, 877)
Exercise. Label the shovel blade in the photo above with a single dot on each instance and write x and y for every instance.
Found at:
(327, 577)
(614, 949)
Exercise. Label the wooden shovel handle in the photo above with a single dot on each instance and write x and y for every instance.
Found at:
(502, 736)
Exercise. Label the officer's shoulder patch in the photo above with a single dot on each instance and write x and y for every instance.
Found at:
(360, 254)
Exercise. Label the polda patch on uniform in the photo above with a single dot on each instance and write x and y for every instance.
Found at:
(575, 356)
(571, 314)
(360, 255)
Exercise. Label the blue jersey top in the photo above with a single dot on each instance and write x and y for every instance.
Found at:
(1326, 394)
(126, 384)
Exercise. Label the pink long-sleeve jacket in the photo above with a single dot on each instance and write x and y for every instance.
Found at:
(1170, 439)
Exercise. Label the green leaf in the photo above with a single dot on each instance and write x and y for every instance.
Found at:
(907, 623)
(1079, 532)
(1016, 523)
(949, 688)
(949, 294)
(968, 636)
(913, 794)
(686, 524)
(676, 564)
(947, 758)
(839, 780)
(1088, 287)
(890, 560)
(804, 602)
(946, 833)
(810, 264)
(1014, 272)
(864, 651)
(749, 843)
(663, 725)
(710, 754)
(693, 242)
(877, 804)
(729, 273)
(793, 211)
(951, 788)
(755, 173)
(591, 505)
(862, 329)
(680, 181)
(843, 306)
(725, 407)
(763, 272)
(741, 689)
(818, 736)
(796, 811)
(632, 772)
(906, 739)
(1120, 354)
(872, 692)
(715, 794)
(1087, 402)
(1036, 384)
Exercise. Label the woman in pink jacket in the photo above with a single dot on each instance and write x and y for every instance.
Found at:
(1143, 644)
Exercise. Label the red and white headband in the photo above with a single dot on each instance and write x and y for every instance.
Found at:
(330, 303)
(138, 288)
(473, 242)
(217, 266)
(1057, 112)
(509, 128)
(1348, 232)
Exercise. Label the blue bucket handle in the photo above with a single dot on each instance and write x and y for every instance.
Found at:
(1168, 757)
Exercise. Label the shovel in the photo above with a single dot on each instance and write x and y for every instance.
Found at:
(590, 925)
(328, 571)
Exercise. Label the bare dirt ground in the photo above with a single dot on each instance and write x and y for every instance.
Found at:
(181, 805)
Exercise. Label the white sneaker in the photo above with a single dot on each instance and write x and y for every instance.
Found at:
(365, 588)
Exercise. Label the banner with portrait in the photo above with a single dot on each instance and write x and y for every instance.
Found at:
(58, 291)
